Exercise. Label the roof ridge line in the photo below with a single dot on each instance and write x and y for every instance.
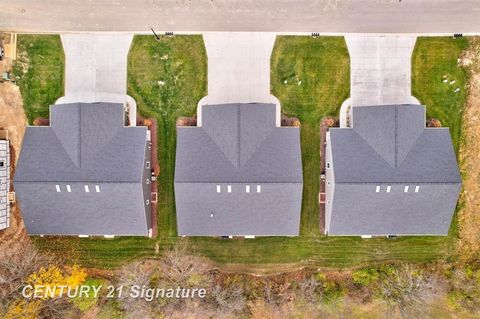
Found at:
(247, 182)
(84, 182)
(52, 127)
(259, 146)
(396, 137)
(418, 137)
(63, 147)
(117, 133)
(399, 183)
(217, 146)
(369, 145)
(239, 119)
(80, 136)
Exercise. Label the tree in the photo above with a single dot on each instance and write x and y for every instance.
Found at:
(28, 266)
(229, 301)
(406, 291)
(14, 268)
(179, 265)
(139, 274)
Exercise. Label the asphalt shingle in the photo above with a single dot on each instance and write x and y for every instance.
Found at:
(84, 174)
(238, 145)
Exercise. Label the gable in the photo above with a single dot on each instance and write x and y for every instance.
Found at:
(391, 130)
(85, 142)
(253, 150)
(419, 154)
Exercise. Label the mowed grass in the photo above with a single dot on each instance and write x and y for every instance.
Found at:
(39, 71)
(311, 79)
(166, 78)
(434, 60)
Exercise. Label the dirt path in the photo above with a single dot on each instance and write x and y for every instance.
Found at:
(469, 214)
(12, 118)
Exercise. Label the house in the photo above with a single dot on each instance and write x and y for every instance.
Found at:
(388, 174)
(4, 183)
(86, 174)
(238, 173)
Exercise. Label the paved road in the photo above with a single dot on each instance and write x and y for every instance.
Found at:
(343, 16)
(96, 68)
(380, 69)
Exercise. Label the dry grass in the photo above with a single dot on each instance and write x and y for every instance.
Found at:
(468, 215)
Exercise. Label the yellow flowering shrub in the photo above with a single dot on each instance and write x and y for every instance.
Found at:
(53, 276)
(22, 309)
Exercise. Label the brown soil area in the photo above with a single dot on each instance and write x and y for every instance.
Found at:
(12, 116)
(469, 214)
(13, 119)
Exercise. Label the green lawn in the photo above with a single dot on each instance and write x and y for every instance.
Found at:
(434, 58)
(181, 64)
(39, 71)
(311, 79)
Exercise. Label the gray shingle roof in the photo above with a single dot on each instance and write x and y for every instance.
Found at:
(359, 210)
(238, 145)
(85, 145)
(85, 142)
(390, 146)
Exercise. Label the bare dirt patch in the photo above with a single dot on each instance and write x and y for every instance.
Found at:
(469, 214)
(13, 119)
(12, 116)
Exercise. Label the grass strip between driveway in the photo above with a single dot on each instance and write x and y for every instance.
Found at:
(311, 78)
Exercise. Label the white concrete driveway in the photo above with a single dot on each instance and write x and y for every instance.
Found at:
(238, 68)
(96, 69)
(380, 69)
